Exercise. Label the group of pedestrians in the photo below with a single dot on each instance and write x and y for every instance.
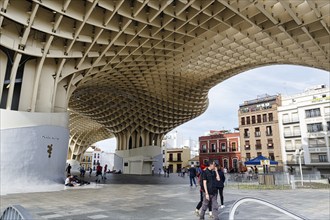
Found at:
(211, 178)
(100, 172)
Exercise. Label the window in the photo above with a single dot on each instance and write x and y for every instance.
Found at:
(98, 155)
(264, 117)
(247, 145)
(316, 142)
(246, 133)
(235, 164)
(94, 155)
(270, 143)
(225, 163)
(253, 119)
(248, 156)
(233, 146)
(297, 144)
(179, 157)
(271, 156)
(270, 117)
(163, 151)
(204, 148)
(258, 118)
(315, 127)
(328, 125)
(248, 120)
(323, 158)
(223, 147)
(258, 144)
(171, 157)
(257, 132)
(296, 130)
(288, 145)
(269, 131)
(259, 154)
(213, 149)
(313, 113)
(295, 117)
(242, 120)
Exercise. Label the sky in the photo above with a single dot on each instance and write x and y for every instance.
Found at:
(225, 98)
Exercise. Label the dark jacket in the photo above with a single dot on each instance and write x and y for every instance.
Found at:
(219, 184)
(192, 172)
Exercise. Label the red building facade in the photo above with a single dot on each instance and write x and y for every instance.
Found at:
(222, 147)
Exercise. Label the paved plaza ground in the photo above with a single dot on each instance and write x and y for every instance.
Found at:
(123, 197)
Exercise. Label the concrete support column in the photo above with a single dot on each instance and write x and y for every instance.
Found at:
(13, 72)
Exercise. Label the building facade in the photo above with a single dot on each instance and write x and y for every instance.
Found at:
(304, 122)
(222, 147)
(177, 158)
(258, 128)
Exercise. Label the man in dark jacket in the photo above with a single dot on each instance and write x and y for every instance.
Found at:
(192, 175)
(209, 176)
(220, 184)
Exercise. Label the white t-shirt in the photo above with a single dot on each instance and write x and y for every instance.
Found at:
(67, 180)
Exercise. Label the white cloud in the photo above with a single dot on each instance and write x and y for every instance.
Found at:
(226, 96)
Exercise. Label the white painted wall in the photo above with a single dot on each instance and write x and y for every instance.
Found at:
(24, 140)
(139, 160)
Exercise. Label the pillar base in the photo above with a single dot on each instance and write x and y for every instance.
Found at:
(139, 160)
(34, 148)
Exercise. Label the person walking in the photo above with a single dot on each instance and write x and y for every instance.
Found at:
(90, 171)
(98, 172)
(68, 169)
(201, 191)
(192, 175)
(105, 172)
(152, 169)
(210, 195)
(220, 185)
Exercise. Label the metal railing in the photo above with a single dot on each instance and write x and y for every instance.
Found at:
(16, 212)
(263, 202)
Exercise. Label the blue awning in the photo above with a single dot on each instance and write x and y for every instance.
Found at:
(256, 161)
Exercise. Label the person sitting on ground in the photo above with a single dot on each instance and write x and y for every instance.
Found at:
(68, 181)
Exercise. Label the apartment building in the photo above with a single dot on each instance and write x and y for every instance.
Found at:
(221, 146)
(176, 158)
(258, 128)
(304, 122)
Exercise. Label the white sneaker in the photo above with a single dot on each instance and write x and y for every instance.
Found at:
(222, 206)
(196, 212)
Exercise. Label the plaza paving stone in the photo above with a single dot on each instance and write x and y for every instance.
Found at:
(127, 197)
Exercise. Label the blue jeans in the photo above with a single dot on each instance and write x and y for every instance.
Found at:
(192, 179)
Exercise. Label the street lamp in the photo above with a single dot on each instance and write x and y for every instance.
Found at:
(301, 152)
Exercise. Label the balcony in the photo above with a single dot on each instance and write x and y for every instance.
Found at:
(290, 149)
(247, 147)
(315, 130)
(290, 120)
(270, 146)
(257, 134)
(292, 134)
(258, 146)
(174, 160)
(246, 135)
(319, 161)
